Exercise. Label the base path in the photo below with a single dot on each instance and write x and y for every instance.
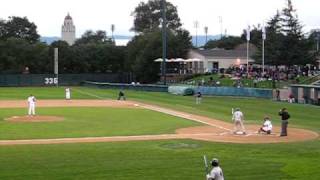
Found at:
(212, 130)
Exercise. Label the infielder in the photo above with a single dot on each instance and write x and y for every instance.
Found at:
(68, 94)
(198, 97)
(121, 95)
(216, 172)
(31, 105)
(238, 119)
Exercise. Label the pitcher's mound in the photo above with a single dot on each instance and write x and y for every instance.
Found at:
(36, 118)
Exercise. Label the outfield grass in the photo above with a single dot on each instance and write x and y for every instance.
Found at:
(13, 93)
(91, 122)
(174, 159)
(160, 160)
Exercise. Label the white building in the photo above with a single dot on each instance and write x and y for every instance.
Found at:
(215, 59)
(68, 30)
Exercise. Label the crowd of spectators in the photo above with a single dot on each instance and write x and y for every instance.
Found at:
(273, 73)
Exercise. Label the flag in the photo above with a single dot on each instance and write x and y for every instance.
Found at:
(248, 33)
(264, 35)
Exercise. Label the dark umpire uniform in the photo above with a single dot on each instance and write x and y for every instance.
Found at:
(284, 121)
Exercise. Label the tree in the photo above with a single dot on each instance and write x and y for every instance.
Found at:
(94, 37)
(227, 43)
(67, 60)
(16, 54)
(273, 42)
(148, 16)
(285, 44)
(145, 48)
(17, 27)
(295, 48)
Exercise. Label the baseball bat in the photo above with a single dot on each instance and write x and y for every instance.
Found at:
(206, 164)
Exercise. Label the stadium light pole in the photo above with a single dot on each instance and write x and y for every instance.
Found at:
(248, 40)
(318, 38)
(263, 39)
(206, 32)
(196, 25)
(221, 26)
(164, 41)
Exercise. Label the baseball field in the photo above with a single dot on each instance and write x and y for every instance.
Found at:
(150, 136)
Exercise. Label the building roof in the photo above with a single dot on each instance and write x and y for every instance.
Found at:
(239, 52)
(218, 53)
(68, 17)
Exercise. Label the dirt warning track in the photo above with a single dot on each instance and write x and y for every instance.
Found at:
(212, 129)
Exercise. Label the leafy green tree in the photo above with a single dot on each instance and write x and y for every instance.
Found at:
(148, 16)
(146, 46)
(16, 54)
(285, 44)
(94, 37)
(227, 43)
(17, 27)
(67, 59)
(295, 48)
(273, 42)
(144, 49)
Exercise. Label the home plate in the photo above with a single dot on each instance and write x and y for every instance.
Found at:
(240, 133)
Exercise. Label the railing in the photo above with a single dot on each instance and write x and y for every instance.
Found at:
(311, 80)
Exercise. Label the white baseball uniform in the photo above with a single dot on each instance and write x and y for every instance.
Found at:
(31, 105)
(238, 121)
(68, 93)
(215, 174)
(267, 126)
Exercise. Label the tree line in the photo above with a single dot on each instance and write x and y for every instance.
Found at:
(20, 48)
(285, 42)
(94, 52)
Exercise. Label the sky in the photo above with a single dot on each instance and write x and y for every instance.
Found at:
(48, 15)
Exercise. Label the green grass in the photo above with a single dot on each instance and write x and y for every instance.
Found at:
(90, 122)
(13, 93)
(159, 160)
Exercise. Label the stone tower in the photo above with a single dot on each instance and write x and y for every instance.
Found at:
(68, 30)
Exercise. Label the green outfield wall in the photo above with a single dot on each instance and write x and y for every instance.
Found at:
(9, 80)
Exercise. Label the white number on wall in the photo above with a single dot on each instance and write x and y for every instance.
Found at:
(49, 81)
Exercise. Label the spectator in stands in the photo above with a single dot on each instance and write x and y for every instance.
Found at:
(291, 98)
(278, 95)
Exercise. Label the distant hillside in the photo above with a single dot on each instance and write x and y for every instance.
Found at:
(49, 40)
(120, 39)
(202, 39)
(123, 40)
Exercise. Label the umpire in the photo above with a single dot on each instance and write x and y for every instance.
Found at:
(284, 121)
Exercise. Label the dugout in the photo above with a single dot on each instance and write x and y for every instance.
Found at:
(307, 94)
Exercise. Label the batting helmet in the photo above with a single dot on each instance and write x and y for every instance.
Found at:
(215, 162)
